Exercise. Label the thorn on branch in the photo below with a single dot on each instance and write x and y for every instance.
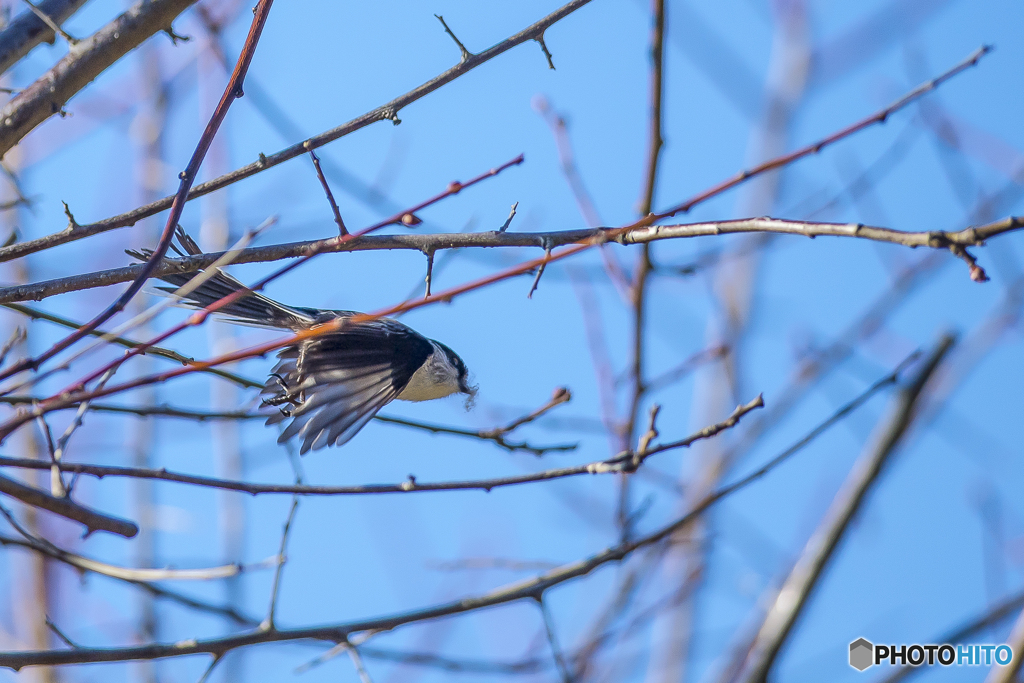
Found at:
(508, 221)
(540, 270)
(54, 26)
(430, 271)
(175, 37)
(60, 634)
(544, 49)
(466, 54)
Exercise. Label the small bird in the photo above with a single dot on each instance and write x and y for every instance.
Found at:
(331, 385)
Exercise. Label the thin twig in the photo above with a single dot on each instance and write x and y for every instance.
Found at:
(53, 25)
(357, 662)
(60, 634)
(36, 314)
(549, 629)
(342, 230)
(508, 221)
(466, 54)
(128, 573)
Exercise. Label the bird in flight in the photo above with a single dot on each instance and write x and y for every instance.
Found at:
(330, 385)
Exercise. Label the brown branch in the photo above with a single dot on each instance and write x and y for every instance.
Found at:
(625, 461)
(91, 56)
(638, 290)
(65, 507)
(795, 592)
(386, 112)
(936, 239)
(28, 30)
(657, 79)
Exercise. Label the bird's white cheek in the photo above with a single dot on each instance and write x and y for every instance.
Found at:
(422, 387)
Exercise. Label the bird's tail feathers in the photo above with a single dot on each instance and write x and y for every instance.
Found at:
(250, 309)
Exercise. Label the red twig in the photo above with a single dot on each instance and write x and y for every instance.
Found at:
(879, 117)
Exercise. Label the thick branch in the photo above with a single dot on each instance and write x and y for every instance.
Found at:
(65, 507)
(937, 239)
(84, 62)
(28, 30)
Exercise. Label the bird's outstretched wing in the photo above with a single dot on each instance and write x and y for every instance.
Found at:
(331, 386)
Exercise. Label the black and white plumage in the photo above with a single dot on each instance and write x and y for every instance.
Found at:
(330, 386)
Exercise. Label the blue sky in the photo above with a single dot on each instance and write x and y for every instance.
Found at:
(915, 562)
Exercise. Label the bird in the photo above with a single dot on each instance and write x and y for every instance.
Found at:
(332, 384)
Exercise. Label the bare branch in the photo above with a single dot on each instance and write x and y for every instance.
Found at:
(28, 30)
(231, 93)
(556, 651)
(935, 239)
(386, 112)
(796, 590)
(65, 507)
(625, 461)
(466, 54)
(342, 230)
(879, 117)
(154, 590)
(36, 314)
(91, 56)
(50, 23)
(133, 575)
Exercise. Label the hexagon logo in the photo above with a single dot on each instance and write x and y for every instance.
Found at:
(861, 654)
